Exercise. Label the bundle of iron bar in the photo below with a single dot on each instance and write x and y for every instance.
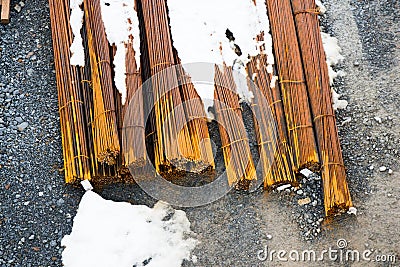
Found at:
(235, 144)
(275, 152)
(178, 146)
(294, 120)
(336, 192)
(87, 117)
(293, 85)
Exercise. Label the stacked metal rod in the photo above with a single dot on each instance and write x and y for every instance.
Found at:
(134, 147)
(196, 118)
(336, 192)
(105, 132)
(176, 146)
(70, 97)
(100, 171)
(270, 126)
(292, 84)
(239, 163)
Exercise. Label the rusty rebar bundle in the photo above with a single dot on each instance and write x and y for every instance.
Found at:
(270, 126)
(336, 192)
(180, 142)
(293, 85)
(239, 163)
(70, 97)
(105, 131)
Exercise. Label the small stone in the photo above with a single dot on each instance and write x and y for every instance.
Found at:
(31, 237)
(22, 126)
(194, 259)
(356, 63)
(29, 54)
(390, 171)
(29, 72)
(314, 203)
(389, 195)
(18, 119)
(299, 192)
(378, 119)
(26, 203)
(53, 243)
(382, 168)
(371, 167)
(269, 237)
(40, 194)
(279, 188)
(17, 8)
(60, 201)
(352, 210)
(7, 186)
(22, 4)
(304, 201)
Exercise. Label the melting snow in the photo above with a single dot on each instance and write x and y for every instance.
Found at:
(76, 20)
(199, 34)
(107, 233)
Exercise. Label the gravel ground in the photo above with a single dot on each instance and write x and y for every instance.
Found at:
(36, 208)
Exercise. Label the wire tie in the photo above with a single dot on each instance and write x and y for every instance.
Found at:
(161, 63)
(233, 142)
(70, 102)
(315, 11)
(102, 113)
(324, 115)
(299, 126)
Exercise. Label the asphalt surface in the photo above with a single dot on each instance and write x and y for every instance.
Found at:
(36, 207)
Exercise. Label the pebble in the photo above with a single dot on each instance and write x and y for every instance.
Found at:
(29, 72)
(22, 4)
(382, 168)
(60, 201)
(283, 187)
(269, 237)
(352, 210)
(22, 126)
(304, 201)
(299, 192)
(17, 8)
(371, 167)
(31, 237)
(378, 119)
(390, 171)
(40, 194)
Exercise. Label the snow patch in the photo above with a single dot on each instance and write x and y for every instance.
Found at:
(333, 57)
(122, 28)
(321, 7)
(199, 33)
(107, 233)
(121, 25)
(76, 20)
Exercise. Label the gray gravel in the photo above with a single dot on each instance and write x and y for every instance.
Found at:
(36, 207)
